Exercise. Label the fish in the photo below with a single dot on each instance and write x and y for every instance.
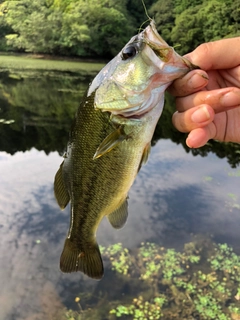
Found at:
(110, 140)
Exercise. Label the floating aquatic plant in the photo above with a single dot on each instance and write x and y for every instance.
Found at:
(141, 310)
(201, 282)
(119, 257)
(226, 261)
(209, 308)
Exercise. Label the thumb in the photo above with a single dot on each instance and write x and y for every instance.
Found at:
(221, 54)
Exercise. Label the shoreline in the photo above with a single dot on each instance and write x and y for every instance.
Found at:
(43, 56)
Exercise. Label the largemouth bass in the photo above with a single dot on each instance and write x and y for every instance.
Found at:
(110, 140)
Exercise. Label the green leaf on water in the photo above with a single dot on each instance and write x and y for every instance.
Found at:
(208, 178)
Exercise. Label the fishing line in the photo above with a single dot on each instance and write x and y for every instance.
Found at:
(145, 9)
(146, 12)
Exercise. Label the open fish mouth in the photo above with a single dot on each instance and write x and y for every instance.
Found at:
(140, 109)
(153, 39)
(135, 81)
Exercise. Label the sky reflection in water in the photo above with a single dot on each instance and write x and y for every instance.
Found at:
(174, 195)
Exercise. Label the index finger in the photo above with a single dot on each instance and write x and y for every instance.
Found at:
(192, 82)
(219, 99)
(220, 54)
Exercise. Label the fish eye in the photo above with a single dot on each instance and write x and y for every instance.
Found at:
(129, 52)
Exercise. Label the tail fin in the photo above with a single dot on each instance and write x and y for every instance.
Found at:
(87, 260)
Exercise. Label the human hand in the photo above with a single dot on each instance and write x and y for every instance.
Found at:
(208, 100)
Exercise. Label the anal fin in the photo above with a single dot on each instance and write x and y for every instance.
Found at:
(145, 155)
(87, 260)
(60, 190)
(118, 217)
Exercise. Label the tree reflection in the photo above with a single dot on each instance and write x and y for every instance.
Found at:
(43, 103)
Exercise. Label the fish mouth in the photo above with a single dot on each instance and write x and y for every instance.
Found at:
(143, 107)
(165, 52)
(134, 112)
(152, 37)
(135, 101)
(131, 113)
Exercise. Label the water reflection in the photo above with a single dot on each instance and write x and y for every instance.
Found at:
(42, 106)
(170, 199)
(174, 195)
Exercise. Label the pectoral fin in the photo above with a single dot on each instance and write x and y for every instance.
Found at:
(145, 155)
(110, 142)
(119, 217)
(60, 190)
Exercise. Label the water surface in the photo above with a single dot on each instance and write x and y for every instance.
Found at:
(176, 194)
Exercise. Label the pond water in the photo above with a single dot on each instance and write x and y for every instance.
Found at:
(177, 194)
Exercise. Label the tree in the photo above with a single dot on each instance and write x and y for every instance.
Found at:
(100, 28)
(164, 17)
(136, 10)
(182, 5)
(84, 27)
(108, 25)
(36, 27)
(216, 21)
(187, 31)
(4, 30)
(235, 17)
(75, 34)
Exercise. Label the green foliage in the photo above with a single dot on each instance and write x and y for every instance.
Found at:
(119, 256)
(5, 29)
(192, 22)
(108, 25)
(100, 28)
(172, 264)
(57, 87)
(158, 261)
(188, 30)
(150, 258)
(140, 309)
(137, 13)
(164, 16)
(92, 28)
(202, 282)
(225, 260)
(209, 308)
(182, 5)
(41, 101)
(201, 292)
(36, 27)
(72, 315)
(219, 24)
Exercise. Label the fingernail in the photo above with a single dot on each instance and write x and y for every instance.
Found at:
(231, 99)
(198, 81)
(200, 115)
(192, 140)
(197, 138)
